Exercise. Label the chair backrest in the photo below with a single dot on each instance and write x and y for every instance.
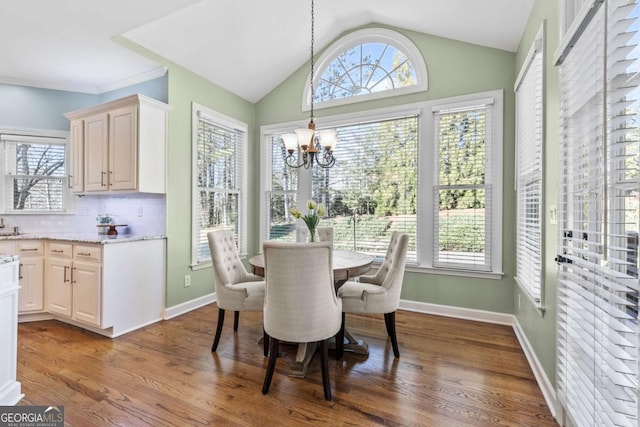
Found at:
(391, 273)
(228, 268)
(324, 233)
(300, 302)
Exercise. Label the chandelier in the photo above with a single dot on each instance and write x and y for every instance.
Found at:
(316, 147)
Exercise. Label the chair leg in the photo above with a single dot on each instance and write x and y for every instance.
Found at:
(265, 342)
(216, 340)
(340, 340)
(390, 320)
(236, 320)
(271, 366)
(324, 360)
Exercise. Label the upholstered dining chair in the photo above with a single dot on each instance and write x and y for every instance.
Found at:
(300, 304)
(324, 233)
(236, 289)
(379, 293)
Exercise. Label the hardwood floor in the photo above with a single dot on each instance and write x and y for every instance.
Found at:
(450, 373)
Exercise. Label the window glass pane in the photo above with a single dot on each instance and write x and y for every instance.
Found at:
(216, 156)
(282, 225)
(371, 191)
(363, 69)
(41, 194)
(461, 231)
(38, 176)
(217, 211)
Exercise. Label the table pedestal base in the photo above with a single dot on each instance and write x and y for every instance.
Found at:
(300, 366)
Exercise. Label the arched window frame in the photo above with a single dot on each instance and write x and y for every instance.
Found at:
(356, 38)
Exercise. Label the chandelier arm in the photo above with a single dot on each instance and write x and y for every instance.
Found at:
(289, 161)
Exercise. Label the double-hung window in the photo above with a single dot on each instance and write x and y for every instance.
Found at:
(467, 185)
(34, 173)
(529, 183)
(219, 192)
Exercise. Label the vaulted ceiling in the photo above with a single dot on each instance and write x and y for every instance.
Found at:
(245, 46)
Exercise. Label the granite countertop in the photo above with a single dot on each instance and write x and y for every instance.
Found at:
(84, 237)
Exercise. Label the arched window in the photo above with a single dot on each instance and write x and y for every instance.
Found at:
(367, 64)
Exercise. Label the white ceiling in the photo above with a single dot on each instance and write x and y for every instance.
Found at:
(245, 46)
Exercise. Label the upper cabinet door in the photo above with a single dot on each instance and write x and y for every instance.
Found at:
(76, 175)
(123, 148)
(96, 160)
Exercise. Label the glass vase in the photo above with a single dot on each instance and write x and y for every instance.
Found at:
(313, 236)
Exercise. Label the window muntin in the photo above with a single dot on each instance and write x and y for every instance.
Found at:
(366, 64)
(35, 177)
(218, 188)
(529, 173)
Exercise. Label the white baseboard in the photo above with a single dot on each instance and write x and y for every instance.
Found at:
(546, 387)
(458, 312)
(185, 307)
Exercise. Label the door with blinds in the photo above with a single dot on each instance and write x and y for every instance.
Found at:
(597, 366)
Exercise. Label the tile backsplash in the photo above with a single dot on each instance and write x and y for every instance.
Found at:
(145, 214)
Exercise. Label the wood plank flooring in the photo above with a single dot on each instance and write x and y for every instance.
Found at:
(450, 373)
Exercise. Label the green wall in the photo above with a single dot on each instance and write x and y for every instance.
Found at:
(541, 328)
(454, 68)
(186, 87)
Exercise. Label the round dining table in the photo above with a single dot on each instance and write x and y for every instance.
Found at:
(346, 265)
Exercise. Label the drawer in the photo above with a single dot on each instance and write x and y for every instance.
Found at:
(60, 250)
(89, 253)
(30, 247)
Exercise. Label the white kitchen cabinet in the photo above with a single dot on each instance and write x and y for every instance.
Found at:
(110, 289)
(124, 144)
(10, 388)
(74, 281)
(31, 273)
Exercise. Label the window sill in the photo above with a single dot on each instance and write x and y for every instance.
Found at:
(413, 268)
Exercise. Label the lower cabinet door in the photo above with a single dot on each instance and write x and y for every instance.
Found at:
(59, 286)
(87, 292)
(31, 294)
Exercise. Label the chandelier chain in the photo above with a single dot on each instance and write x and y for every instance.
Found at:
(312, 63)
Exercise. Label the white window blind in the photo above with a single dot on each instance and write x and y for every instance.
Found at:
(463, 189)
(218, 182)
(529, 140)
(282, 196)
(35, 173)
(371, 191)
(368, 194)
(597, 372)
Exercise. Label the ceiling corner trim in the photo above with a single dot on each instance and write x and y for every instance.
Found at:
(154, 73)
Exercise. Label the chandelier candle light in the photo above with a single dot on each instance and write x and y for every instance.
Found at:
(311, 143)
(316, 211)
